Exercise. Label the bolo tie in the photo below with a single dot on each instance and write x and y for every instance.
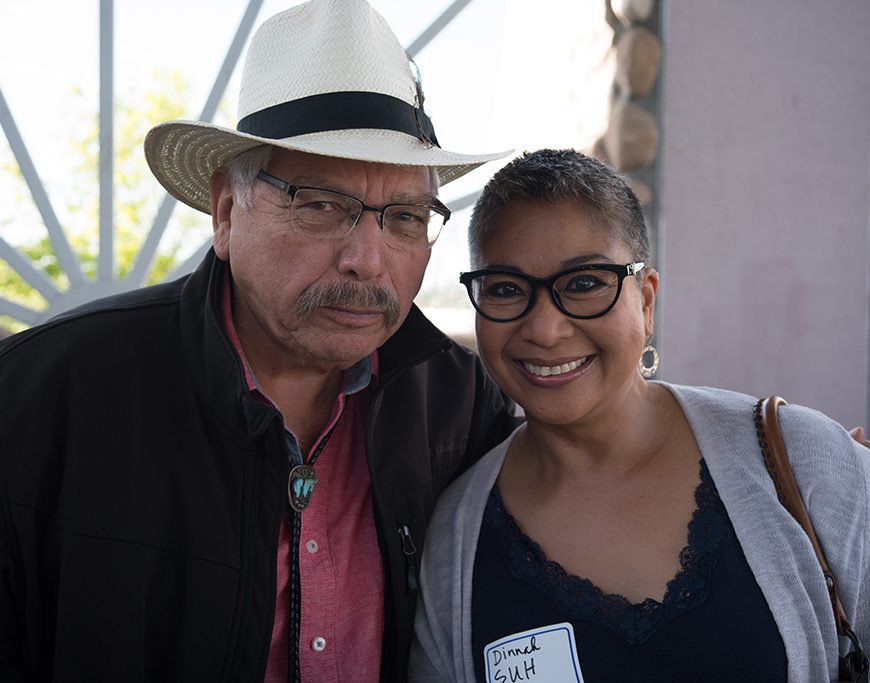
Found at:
(300, 486)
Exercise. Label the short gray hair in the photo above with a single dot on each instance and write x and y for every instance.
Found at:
(243, 171)
(551, 175)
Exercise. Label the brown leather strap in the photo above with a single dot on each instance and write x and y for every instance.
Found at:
(776, 460)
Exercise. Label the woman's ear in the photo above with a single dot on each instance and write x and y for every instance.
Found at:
(221, 191)
(648, 289)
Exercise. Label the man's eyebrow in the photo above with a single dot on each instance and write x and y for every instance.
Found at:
(321, 183)
(414, 198)
(315, 182)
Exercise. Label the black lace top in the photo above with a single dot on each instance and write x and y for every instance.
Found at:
(713, 623)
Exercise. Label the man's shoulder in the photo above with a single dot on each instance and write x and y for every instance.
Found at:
(94, 328)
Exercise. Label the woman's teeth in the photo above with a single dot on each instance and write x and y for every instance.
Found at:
(548, 370)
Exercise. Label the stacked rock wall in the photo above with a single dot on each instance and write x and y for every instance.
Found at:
(631, 140)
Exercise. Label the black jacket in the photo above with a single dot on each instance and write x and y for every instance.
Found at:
(141, 487)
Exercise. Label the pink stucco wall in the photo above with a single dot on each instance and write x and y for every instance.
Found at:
(765, 199)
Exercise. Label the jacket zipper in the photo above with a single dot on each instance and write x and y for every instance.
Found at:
(380, 523)
(409, 550)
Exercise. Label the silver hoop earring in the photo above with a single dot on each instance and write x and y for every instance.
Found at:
(649, 371)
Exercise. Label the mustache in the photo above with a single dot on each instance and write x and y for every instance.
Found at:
(345, 294)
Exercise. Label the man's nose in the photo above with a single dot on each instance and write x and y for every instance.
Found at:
(363, 252)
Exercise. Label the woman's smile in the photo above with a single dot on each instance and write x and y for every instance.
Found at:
(557, 369)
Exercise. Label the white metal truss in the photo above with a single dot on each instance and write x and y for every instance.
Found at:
(82, 288)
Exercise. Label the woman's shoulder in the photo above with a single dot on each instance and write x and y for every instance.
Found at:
(823, 449)
(714, 404)
(715, 415)
(819, 448)
(703, 398)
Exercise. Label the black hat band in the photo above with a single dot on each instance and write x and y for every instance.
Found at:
(339, 111)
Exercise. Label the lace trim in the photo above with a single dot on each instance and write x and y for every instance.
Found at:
(710, 532)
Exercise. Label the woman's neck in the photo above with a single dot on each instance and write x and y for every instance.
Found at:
(622, 438)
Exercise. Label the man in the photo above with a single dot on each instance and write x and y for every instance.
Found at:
(229, 477)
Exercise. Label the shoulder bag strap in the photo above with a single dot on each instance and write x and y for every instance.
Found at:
(776, 460)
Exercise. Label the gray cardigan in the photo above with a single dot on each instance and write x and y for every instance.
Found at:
(832, 471)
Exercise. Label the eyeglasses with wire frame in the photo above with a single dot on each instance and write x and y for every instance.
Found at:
(583, 292)
(330, 215)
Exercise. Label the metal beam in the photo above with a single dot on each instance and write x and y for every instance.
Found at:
(149, 248)
(464, 202)
(436, 27)
(35, 278)
(106, 262)
(26, 315)
(68, 260)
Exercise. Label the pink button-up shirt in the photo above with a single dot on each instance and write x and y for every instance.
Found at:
(340, 570)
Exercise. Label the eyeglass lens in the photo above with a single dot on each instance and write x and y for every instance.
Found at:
(328, 215)
(583, 293)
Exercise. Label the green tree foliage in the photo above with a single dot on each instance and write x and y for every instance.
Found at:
(136, 195)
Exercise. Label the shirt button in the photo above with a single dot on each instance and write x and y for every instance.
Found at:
(312, 546)
(318, 644)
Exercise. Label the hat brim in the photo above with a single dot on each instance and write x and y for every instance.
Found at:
(183, 155)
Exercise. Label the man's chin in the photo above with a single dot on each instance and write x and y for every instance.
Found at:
(341, 345)
(345, 349)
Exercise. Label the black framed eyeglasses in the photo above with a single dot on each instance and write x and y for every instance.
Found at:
(329, 215)
(587, 291)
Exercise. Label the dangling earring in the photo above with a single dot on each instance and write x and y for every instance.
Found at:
(649, 371)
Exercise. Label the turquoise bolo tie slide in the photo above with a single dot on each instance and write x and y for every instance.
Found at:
(300, 486)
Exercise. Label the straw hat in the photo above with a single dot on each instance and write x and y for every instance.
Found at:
(325, 77)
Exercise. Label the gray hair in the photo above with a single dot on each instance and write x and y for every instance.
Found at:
(551, 175)
(243, 171)
(244, 168)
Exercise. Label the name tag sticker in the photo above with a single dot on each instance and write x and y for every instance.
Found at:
(547, 654)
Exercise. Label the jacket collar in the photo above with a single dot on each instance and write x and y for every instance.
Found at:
(413, 342)
(218, 372)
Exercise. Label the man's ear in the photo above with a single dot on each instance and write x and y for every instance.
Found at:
(221, 190)
(648, 289)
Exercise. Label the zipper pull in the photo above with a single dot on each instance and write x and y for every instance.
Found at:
(409, 549)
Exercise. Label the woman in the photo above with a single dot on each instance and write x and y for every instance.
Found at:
(629, 530)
